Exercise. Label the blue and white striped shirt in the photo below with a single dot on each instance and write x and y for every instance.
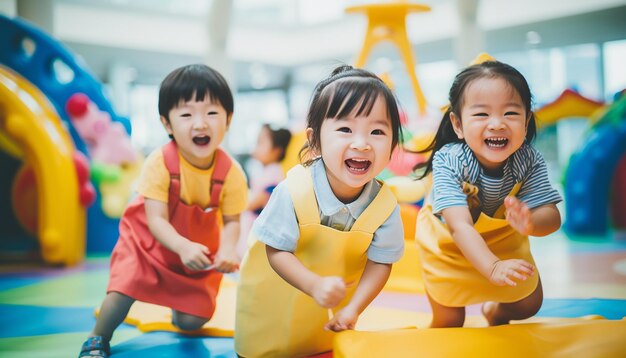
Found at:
(455, 163)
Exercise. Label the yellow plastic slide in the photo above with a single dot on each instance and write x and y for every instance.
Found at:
(31, 128)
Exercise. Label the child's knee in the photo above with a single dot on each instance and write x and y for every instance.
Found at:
(533, 303)
(532, 306)
(450, 321)
(188, 322)
(448, 318)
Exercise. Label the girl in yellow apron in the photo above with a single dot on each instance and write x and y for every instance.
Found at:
(490, 191)
(322, 248)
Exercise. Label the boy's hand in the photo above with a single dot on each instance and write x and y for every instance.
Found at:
(518, 215)
(226, 260)
(194, 256)
(329, 291)
(504, 271)
(344, 319)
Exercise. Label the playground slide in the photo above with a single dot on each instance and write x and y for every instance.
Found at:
(29, 123)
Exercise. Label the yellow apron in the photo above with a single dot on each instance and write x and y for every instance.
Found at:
(273, 318)
(449, 278)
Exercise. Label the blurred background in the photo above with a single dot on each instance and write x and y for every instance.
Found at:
(104, 60)
(274, 51)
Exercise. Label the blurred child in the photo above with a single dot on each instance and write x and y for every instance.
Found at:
(172, 248)
(490, 191)
(330, 232)
(270, 150)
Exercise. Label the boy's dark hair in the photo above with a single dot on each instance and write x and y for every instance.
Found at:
(352, 86)
(201, 80)
(489, 69)
(280, 138)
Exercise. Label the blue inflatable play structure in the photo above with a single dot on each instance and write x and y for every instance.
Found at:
(59, 74)
(591, 171)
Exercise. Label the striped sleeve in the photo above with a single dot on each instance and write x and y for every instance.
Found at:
(537, 189)
(447, 181)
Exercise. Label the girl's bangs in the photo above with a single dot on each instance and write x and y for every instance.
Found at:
(350, 93)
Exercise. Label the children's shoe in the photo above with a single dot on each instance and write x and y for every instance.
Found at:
(95, 347)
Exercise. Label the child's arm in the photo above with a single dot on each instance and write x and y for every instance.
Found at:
(192, 254)
(226, 259)
(372, 281)
(540, 221)
(474, 248)
(327, 291)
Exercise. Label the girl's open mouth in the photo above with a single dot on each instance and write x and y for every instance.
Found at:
(496, 142)
(358, 166)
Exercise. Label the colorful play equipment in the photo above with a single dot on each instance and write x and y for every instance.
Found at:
(114, 161)
(386, 22)
(47, 65)
(32, 126)
(619, 196)
(52, 68)
(593, 170)
(569, 104)
(594, 179)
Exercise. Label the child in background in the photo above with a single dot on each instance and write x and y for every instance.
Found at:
(490, 191)
(330, 232)
(172, 248)
(270, 150)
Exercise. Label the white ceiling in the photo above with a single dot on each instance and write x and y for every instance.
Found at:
(284, 37)
(278, 32)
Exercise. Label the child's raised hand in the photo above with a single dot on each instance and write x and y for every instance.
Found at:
(194, 256)
(504, 272)
(328, 291)
(344, 319)
(518, 215)
(226, 260)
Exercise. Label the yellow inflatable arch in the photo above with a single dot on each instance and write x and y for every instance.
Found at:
(31, 129)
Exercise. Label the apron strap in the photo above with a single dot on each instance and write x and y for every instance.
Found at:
(172, 163)
(300, 186)
(377, 211)
(221, 167)
(500, 213)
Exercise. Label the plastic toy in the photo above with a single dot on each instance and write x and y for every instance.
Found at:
(33, 126)
(24, 199)
(51, 67)
(107, 141)
(59, 74)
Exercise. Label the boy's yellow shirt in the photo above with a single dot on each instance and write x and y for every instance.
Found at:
(154, 183)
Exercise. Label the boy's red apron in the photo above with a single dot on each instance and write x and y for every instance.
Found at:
(142, 268)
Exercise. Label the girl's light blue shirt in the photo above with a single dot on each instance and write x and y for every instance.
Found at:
(277, 225)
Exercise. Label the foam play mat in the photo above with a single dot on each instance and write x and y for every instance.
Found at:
(51, 311)
(564, 338)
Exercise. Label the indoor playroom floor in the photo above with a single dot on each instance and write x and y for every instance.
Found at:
(47, 312)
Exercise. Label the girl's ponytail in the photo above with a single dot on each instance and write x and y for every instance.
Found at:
(445, 134)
